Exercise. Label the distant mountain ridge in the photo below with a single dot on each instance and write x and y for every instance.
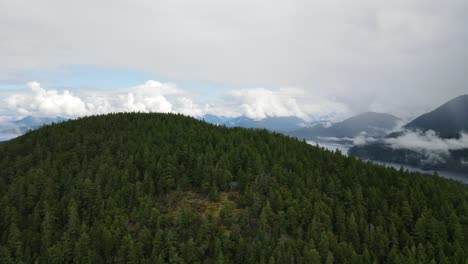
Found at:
(370, 123)
(15, 128)
(272, 123)
(34, 122)
(215, 120)
(279, 124)
(448, 122)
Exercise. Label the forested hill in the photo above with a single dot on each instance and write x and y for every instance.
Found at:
(163, 188)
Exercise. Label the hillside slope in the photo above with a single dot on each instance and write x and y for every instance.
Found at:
(162, 188)
(448, 120)
(13, 129)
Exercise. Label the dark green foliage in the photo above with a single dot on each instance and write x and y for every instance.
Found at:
(157, 188)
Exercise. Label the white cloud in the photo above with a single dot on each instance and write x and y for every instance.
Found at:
(363, 139)
(187, 106)
(153, 96)
(46, 102)
(259, 103)
(427, 142)
(148, 97)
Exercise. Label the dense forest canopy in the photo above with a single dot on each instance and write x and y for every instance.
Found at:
(164, 188)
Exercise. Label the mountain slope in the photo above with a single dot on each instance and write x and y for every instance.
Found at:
(447, 120)
(278, 124)
(13, 129)
(35, 122)
(215, 120)
(370, 123)
(163, 188)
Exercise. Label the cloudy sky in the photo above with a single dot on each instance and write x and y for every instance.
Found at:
(306, 58)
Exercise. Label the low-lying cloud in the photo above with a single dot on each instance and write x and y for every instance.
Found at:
(428, 141)
(363, 139)
(433, 148)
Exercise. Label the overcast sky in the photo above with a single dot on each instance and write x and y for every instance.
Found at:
(304, 58)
